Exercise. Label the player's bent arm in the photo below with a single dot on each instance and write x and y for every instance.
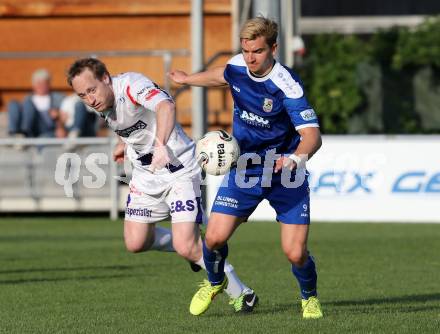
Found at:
(310, 142)
(210, 78)
(118, 151)
(165, 121)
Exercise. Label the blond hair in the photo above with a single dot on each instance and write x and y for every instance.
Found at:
(260, 26)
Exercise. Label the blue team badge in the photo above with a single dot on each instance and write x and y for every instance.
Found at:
(267, 105)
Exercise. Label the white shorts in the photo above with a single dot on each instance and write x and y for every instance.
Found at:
(181, 200)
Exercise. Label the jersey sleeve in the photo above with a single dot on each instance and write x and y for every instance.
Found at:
(301, 113)
(294, 101)
(146, 93)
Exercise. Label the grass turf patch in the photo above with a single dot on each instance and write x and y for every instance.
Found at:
(74, 276)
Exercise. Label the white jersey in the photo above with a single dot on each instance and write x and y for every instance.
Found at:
(133, 118)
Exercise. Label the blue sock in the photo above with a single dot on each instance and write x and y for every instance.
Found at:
(215, 263)
(307, 278)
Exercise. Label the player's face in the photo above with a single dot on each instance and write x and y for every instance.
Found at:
(97, 94)
(258, 55)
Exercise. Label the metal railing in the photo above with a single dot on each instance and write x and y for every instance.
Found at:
(29, 163)
(167, 56)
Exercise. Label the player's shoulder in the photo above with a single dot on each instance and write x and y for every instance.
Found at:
(131, 83)
(131, 78)
(237, 60)
(287, 81)
(235, 66)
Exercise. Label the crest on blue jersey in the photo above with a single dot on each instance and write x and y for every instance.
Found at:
(267, 105)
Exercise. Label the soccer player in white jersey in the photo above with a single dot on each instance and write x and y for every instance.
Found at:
(271, 114)
(166, 177)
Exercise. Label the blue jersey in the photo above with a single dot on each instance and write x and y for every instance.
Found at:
(268, 110)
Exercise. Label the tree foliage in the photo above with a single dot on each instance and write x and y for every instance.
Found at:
(336, 87)
(420, 46)
(330, 78)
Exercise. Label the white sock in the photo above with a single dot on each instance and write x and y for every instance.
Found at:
(201, 263)
(163, 240)
(235, 287)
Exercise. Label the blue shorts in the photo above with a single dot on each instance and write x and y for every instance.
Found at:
(291, 203)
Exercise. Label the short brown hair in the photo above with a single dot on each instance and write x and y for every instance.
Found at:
(96, 66)
(260, 26)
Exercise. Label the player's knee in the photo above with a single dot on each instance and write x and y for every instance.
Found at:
(133, 248)
(136, 246)
(214, 241)
(296, 256)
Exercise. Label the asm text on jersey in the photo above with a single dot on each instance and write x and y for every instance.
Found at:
(255, 120)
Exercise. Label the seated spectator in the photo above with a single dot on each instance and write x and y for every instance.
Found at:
(38, 116)
(78, 121)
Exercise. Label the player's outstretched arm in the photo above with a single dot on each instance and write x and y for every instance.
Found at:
(209, 78)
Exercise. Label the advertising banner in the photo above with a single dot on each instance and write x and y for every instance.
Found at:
(369, 179)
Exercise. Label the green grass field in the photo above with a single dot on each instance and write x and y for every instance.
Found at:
(74, 276)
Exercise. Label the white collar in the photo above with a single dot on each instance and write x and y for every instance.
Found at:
(267, 76)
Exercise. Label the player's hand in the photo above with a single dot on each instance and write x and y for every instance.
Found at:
(161, 158)
(178, 76)
(118, 153)
(284, 162)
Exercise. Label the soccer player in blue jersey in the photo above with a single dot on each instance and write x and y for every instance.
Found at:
(271, 114)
